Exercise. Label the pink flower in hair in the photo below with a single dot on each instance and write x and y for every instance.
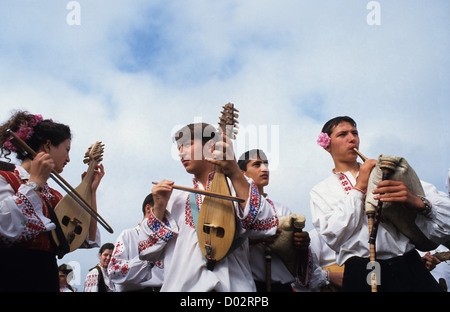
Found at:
(25, 131)
(324, 140)
(37, 119)
(9, 145)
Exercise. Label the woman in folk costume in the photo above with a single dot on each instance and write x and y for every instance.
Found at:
(98, 280)
(170, 230)
(27, 250)
(255, 165)
(338, 213)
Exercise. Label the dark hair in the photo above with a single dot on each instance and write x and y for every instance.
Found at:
(330, 124)
(45, 130)
(66, 269)
(106, 246)
(250, 155)
(203, 131)
(147, 201)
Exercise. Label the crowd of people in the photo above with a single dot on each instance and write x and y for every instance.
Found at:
(163, 252)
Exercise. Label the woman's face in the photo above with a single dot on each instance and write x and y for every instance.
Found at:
(105, 257)
(60, 154)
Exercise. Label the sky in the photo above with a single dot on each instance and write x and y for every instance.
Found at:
(130, 73)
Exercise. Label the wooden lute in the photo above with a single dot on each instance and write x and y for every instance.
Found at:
(217, 216)
(75, 220)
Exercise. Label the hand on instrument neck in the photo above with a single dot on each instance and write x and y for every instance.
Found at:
(99, 172)
(237, 178)
(223, 156)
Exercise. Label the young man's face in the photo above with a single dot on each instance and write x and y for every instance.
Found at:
(192, 155)
(258, 170)
(344, 137)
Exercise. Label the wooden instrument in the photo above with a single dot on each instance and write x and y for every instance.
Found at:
(217, 216)
(372, 215)
(283, 246)
(75, 220)
(73, 193)
(387, 168)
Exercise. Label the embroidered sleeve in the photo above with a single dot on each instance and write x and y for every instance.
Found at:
(259, 218)
(154, 236)
(125, 265)
(21, 214)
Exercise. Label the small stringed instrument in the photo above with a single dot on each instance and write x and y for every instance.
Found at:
(75, 220)
(217, 216)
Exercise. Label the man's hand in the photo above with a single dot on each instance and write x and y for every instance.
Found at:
(396, 191)
(161, 195)
(301, 241)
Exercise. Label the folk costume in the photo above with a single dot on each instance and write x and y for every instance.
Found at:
(175, 237)
(127, 271)
(338, 215)
(25, 233)
(281, 277)
(98, 280)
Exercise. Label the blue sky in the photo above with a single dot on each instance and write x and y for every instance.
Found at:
(133, 71)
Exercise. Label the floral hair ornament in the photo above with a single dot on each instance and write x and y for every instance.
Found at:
(25, 131)
(324, 140)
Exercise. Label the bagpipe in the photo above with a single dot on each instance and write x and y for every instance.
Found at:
(283, 245)
(397, 214)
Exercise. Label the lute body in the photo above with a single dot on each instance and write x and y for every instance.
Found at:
(216, 225)
(75, 220)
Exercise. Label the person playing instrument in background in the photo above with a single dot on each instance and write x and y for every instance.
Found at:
(98, 280)
(26, 200)
(126, 270)
(255, 165)
(338, 213)
(171, 230)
